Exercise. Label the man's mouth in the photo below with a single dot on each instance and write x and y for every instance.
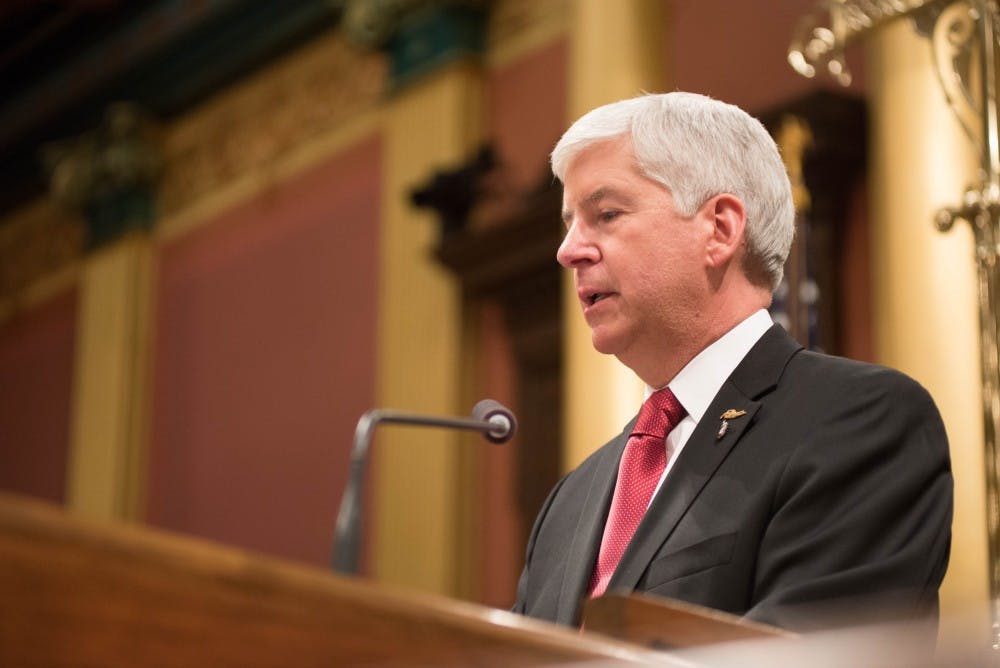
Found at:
(595, 297)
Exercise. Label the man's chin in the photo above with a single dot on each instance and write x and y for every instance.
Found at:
(605, 342)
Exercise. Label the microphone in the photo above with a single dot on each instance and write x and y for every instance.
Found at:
(495, 421)
(502, 422)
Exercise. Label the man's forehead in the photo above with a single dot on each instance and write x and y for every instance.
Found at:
(595, 195)
(603, 169)
(611, 148)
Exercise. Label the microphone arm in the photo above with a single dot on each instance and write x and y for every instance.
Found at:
(491, 418)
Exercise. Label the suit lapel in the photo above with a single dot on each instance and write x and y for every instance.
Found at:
(755, 376)
(582, 552)
(696, 464)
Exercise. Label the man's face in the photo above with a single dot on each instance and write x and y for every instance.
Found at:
(638, 264)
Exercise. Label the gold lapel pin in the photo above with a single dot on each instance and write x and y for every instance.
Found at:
(731, 414)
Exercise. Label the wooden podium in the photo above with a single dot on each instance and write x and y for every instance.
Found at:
(81, 593)
(75, 592)
(659, 623)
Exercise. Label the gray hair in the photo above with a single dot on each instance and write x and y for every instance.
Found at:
(698, 148)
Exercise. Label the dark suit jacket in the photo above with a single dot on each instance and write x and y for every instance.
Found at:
(834, 486)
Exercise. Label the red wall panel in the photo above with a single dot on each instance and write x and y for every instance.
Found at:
(265, 359)
(36, 382)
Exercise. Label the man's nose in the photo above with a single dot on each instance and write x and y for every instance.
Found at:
(576, 248)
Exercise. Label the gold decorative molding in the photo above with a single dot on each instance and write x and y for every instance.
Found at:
(518, 27)
(37, 242)
(250, 128)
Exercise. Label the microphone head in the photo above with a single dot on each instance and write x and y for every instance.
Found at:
(502, 420)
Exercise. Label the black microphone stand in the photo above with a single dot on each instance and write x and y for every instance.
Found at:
(492, 419)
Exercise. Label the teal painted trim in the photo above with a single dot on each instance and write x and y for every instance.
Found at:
(427, 40)
(111, 214)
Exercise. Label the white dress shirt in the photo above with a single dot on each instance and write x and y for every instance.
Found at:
(696, 385)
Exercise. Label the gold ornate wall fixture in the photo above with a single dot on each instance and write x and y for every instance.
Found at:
(820, 37)
(962, 39)
(969, 30)
(249, 129)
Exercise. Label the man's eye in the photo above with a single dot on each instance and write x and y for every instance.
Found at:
(608, 216)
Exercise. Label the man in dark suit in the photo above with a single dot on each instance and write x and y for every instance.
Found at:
(759, 478)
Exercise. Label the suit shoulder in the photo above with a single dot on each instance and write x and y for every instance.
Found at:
(854, 379)
(859, 403)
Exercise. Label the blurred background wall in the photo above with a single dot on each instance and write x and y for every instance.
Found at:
(227, 229)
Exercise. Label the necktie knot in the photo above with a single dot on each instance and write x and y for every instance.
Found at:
(660, 413)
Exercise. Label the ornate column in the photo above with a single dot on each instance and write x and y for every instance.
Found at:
(925, 316)
(615, 53)
(110, 177)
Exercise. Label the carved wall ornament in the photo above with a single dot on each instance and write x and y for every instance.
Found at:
(821, 36)
(454, 193)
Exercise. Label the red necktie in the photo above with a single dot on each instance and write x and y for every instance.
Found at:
(639, 472)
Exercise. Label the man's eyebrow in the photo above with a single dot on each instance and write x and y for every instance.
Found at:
(598, 195)
(593, 198)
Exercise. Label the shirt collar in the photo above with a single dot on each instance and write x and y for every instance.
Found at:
(701, 379)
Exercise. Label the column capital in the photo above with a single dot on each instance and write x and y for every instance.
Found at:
(109, 174)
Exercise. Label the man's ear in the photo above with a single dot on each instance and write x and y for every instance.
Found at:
(729, 222)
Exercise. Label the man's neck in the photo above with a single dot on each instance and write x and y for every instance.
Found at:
(656, 367)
